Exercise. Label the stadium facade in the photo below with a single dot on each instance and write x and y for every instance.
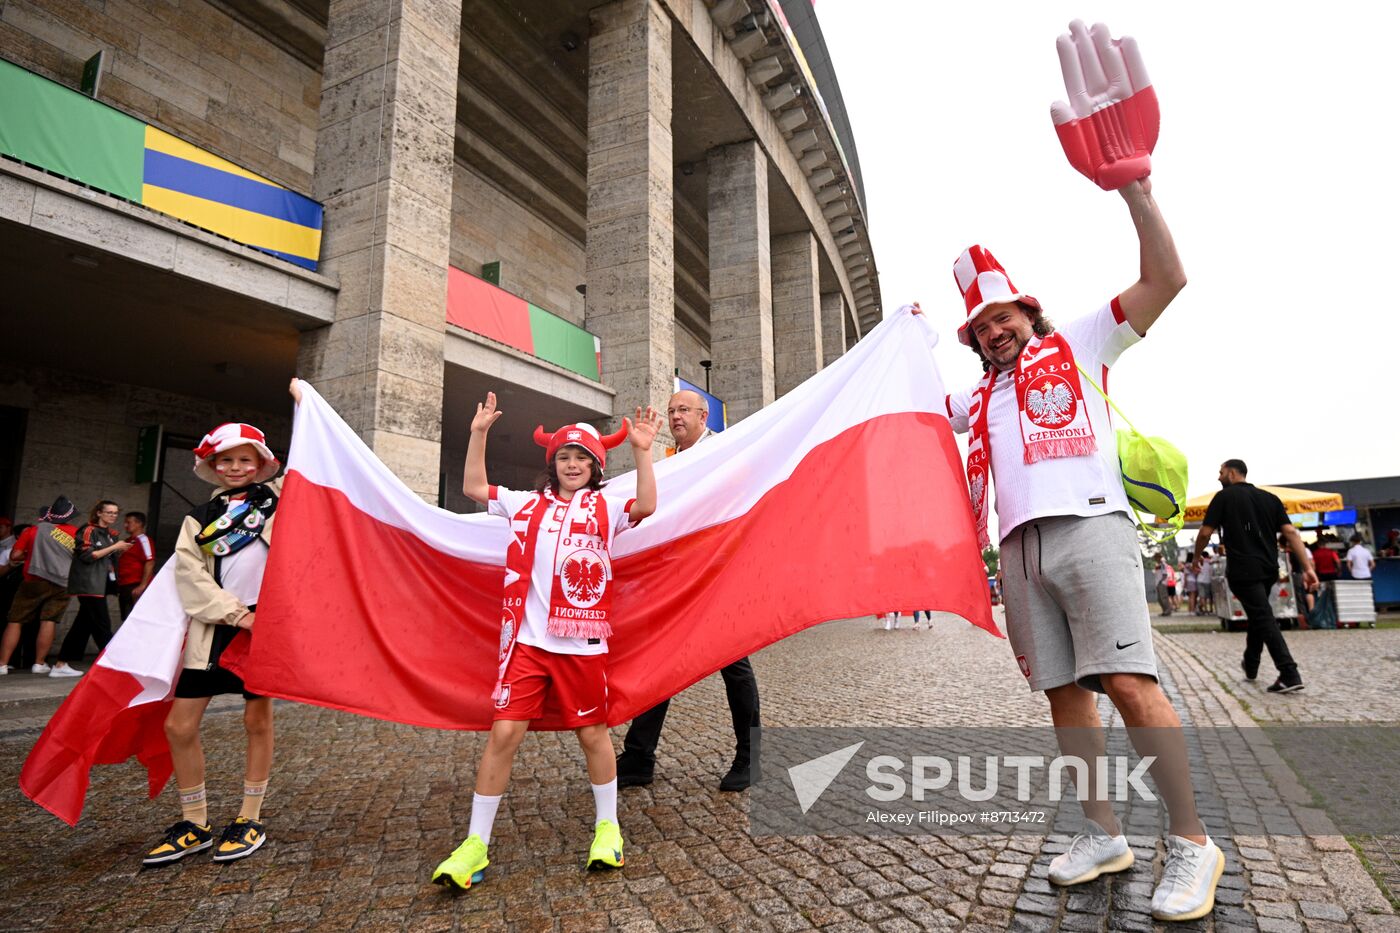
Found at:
(407, 202)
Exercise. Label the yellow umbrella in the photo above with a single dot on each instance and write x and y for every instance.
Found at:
(1295, 501)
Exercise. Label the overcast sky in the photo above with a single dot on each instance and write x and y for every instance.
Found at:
(1274, 170)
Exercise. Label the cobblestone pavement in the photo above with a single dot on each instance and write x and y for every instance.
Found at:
(359, 812)
(1351, 677)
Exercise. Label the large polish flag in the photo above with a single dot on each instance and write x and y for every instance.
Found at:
(845, 497)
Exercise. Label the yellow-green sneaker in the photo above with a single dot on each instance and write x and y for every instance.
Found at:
(606, 851)
(465, 866)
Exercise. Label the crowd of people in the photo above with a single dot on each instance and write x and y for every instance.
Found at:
(46, 565)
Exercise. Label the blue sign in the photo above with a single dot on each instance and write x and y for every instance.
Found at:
(716, 420)
(1339, 517)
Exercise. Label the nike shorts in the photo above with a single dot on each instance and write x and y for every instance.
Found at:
(1076, 605)
(577, 684)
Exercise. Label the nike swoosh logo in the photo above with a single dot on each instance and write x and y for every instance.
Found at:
(1121, 646)
(585, 712)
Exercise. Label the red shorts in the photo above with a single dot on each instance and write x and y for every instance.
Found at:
(576, 683)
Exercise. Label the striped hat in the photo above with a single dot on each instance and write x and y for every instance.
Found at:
(983, 281)
(226, 437)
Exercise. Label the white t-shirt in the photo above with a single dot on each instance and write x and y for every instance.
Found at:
(534, 630)
(1360, 557)
(241, 573)
(1089, 485)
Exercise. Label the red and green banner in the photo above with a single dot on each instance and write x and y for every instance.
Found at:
(67, 133)
(478, 306)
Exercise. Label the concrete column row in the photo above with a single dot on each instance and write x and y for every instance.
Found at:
(384, 155)
(630, 252)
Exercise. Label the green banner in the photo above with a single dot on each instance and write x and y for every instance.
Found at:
(562, 343)
(47, 124)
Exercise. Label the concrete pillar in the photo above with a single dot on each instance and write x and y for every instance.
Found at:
(630, 263)
(741, 285)
(797, 311)
(384, 172)
(833, 326)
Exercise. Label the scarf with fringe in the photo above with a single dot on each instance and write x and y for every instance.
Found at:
(579, 602)
(1050, 408)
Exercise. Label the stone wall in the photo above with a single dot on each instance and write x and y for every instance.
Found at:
(690, 350)
(80, 439)
(539, 262)
(186, 67)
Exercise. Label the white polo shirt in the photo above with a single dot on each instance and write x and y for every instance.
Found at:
(1088, 485)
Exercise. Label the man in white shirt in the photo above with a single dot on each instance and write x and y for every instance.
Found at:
(1072, 570)
(1360, 560)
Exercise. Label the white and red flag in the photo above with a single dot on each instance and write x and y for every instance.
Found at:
(843, 498)
(117, 710)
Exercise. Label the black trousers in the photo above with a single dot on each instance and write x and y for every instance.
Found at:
(740, 685)
(92, 621)
(1263, 628)
(125, 601)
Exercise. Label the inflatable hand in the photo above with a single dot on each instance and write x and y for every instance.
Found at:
(1109, 127)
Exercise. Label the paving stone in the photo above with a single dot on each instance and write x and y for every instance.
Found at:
(363, 809)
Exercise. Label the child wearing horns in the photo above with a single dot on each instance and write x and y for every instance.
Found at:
(555, 616)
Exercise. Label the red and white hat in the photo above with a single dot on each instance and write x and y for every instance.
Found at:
(579, 435)
(226, 437)
(983, 281)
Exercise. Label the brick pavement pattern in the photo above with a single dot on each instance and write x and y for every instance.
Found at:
(359, 811)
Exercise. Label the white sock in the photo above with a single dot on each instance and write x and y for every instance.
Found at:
(605, 801)
(483, 816)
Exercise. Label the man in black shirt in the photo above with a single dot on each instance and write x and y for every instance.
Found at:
(1250, 521)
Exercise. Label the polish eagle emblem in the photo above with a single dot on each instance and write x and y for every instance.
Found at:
(584, 578)
(977, 488)
(1051, 403)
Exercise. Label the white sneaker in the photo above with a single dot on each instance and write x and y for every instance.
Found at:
(1187, 888)
(4, 669)
(40, 668)
(65, 671)
(1089, 855)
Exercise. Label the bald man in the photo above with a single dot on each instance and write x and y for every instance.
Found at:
(687, 413)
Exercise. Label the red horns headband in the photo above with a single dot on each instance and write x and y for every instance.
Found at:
(580, 435)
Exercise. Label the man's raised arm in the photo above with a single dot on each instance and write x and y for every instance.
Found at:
(1160, 275)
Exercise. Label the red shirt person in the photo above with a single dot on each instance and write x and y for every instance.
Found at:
(1325, 560)
(136, 565)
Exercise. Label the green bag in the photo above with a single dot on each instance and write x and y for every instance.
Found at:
(1153, 472)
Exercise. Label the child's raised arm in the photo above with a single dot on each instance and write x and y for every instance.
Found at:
(643, 435)
(474, 483)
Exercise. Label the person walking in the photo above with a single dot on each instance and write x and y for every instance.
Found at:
(687, 413)
(1164, 588)
(1250, 521)
(1205, 582)
(94, 559)
(45, 552)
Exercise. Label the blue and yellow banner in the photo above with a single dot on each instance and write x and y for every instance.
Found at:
(67, 133)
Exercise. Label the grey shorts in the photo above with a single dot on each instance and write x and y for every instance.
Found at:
(1075, 606)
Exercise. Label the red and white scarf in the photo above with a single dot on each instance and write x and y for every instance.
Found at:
(579, 601)
(1050, 406)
